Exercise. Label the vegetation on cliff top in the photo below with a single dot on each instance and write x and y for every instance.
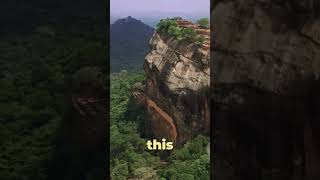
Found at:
(204, 23)
(171, 27)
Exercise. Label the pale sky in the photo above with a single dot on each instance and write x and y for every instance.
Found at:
(152, 7)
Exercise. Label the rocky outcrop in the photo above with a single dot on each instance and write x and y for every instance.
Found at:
(177, 88)
(266, 52)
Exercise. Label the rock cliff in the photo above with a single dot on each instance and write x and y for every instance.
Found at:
(266, 63)
(177, 88)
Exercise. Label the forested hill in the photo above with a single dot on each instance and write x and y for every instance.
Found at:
(129, 43)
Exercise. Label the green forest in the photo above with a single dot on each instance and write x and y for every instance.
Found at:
(36, 68)
(129, 157)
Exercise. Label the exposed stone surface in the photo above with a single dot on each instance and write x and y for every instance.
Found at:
(262, 50)
(177, 88)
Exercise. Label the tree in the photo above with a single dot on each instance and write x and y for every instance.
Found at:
(200, 39)
(189, 34)
(127, 148)
(183, 176)
(203, 23)
(164, 25)
(145, 173)
(170, 27)
(190, 162)
(119, 171)
(176, 32)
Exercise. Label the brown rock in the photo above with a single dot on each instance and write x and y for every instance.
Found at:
(177, 90)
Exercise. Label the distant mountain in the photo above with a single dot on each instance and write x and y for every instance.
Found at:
(129, 43)
(150, 21)
(113, 19)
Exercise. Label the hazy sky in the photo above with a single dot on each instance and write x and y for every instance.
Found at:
(152, 7)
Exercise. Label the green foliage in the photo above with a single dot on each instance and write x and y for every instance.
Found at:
(127, 146)
(191, 150)
(121, 88)
(190, 34)
(190, 162)
(182, 176)
(170, 26)
(200, 39)
(145, 173)
(164, 25)
(204, 23)
(119, 170)
(34, 69)
(176, 32)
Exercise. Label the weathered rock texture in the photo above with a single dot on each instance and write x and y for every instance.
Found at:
(265, 53)
(177, 88)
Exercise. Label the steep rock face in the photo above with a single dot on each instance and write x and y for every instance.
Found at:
(265, 52)
(177, 88)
